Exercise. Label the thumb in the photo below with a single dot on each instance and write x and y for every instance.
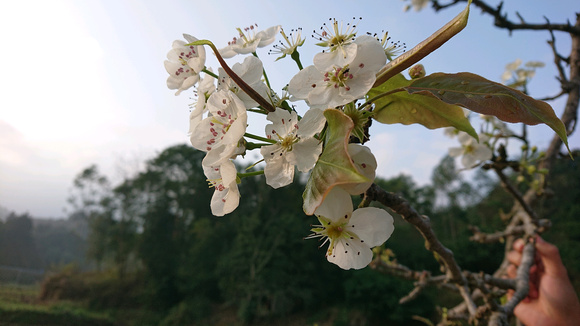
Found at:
(550, 256)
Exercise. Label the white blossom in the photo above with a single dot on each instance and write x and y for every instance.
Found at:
(296, 145)
(221, 132)
(340, 44)
(291, 43)
(365, 163)
(184, 63)
(324, 87)
(417, 5)
(471, 151)
(223, 179)
(250, 71)
(249, 40)
(204, 90)
(351, 234)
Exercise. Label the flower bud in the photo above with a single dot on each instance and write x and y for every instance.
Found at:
(520, 179)
(417, 71)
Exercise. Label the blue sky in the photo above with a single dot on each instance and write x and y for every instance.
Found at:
(83, 81)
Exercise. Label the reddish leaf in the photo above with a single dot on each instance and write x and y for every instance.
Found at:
(486, 97)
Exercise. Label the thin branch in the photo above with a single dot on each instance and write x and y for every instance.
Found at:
(501, 20)
(558, 61)
(423, 225)
(515, 193)
(510, 230)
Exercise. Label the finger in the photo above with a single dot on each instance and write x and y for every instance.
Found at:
(514, 257)
(519, 244)
(550, 257)
(533, 292)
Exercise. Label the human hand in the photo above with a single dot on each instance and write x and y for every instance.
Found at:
(551, 299)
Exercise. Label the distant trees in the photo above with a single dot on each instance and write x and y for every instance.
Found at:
(17, 247)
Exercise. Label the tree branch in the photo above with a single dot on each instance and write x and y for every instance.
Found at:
(501, 20)
(423, 225)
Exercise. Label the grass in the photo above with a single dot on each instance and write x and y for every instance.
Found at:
(19, 306)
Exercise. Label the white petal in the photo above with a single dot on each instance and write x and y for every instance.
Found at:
(282, 123)
(455, 151)
(468, 160)
(465, 139)
(482, 153)
(354, 255)
(250, 70)
(227, 52)
(305, 154)
(370, 53)
(342, 56)
(278, 172)
(225, 199)
(337, 205)
(268, 36)
(312, 122)
(245, 48)
(372, 225)
(366, 164)
(219, 154)
(305, 81)
(228, 173)
(327, 97)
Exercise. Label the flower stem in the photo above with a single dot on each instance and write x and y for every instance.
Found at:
(263, 72)
(210, 73)
(371, 100)
(250, 146)
(296, 57)
(250, 174)
(239, 81)
(270, 141)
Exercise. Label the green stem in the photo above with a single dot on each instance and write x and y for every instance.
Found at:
(239, 81)
(210, 73)
(371, 100)
(250, 145)
(270, 141)
(258, 111)
(250, 174)
(296, 57)
(263, 72)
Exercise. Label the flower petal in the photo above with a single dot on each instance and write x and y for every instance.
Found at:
(350, 254)
(268, 36)
(305, 154)
(336, 205)
(372, 225)
(366, 164)
(278, 172)
(304, 81)
(312, 122)
(340, 57)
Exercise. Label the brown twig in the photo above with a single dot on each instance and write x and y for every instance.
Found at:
(423, 225)
(501, 20)
(510, 230)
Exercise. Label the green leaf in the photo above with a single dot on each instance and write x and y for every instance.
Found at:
(486, 97)
(422, 49)
(406, 109)
(334, 167)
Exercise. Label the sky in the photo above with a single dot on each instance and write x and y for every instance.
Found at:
(83, 82)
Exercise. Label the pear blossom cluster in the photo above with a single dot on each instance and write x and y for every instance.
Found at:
(339, 77)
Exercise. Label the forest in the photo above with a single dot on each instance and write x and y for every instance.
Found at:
(149, 252)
